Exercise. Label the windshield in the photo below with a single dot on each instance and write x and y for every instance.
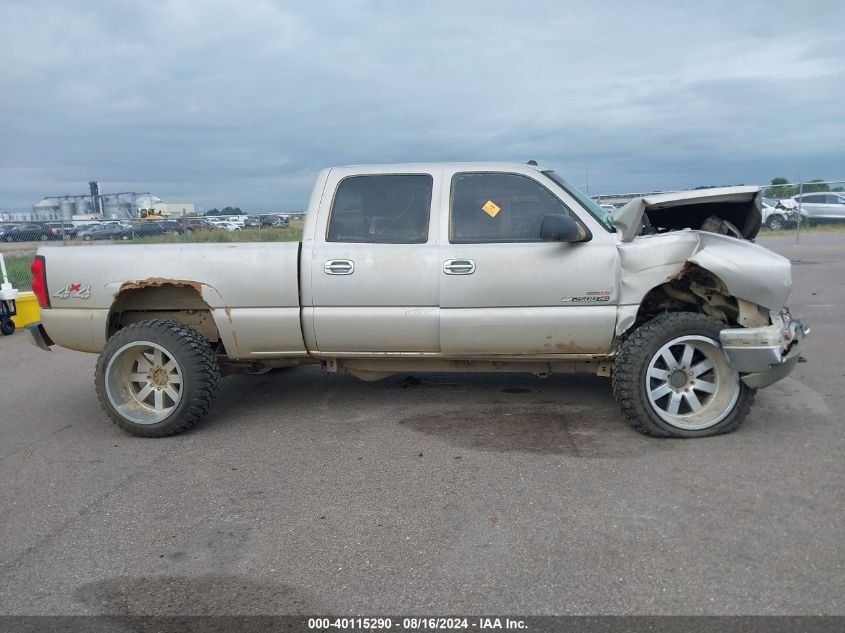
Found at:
(602, 215)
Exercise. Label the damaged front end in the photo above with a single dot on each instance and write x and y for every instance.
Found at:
(764, 355)
(693, 251)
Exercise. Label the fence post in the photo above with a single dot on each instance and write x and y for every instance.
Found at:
(798, 228)
(184, 226)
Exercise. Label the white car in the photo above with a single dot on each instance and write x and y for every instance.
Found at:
(828, 205)
(778, 214)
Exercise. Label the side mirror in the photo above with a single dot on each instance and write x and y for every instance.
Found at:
(561, 228)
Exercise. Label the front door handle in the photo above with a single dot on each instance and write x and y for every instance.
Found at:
(459, 266)
(339, 267)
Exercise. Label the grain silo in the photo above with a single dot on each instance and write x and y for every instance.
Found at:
(46, 209)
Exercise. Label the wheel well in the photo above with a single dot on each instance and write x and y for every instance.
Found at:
(692, 289)
(182, 302)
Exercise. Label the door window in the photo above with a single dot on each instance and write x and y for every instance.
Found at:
(383, 208)
(498, 207)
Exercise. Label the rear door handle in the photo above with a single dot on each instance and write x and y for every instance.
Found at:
(459, 266)
(339, 267)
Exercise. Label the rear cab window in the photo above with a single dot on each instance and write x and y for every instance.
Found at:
(381, 208)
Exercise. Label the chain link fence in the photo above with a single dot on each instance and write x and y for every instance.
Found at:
(20, 240)
(789, 209)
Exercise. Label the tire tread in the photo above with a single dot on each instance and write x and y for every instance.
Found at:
(204, 366)
(627, 388)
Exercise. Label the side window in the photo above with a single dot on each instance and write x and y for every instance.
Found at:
(389, 208)
(498, 207)
(813, 199)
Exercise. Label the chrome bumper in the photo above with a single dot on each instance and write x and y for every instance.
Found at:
(38, 336)
(764, 355)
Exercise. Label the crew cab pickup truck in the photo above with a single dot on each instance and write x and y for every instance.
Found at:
(460, 267)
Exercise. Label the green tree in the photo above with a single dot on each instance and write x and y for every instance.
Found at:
(212, 212)
(817, 184)
(780, 189)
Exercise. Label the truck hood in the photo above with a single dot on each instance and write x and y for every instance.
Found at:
(717, 210)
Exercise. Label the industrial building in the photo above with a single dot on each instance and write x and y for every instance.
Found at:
(96, 205)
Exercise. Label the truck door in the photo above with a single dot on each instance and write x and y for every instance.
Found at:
(373, 265)
(505, 292)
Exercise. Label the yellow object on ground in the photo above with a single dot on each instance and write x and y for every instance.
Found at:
(28, 311)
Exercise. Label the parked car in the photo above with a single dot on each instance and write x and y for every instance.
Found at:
(252, 223)
(193, 224)
(25, 233)
(274, 221)
(778, 214)
(143, 228)
(60, 230)
(4, 227)
(515, 271)
(169, 226)
(105, 231)
(230, 226)
(821, 206)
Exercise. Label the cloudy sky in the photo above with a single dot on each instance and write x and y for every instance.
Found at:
(241, 103)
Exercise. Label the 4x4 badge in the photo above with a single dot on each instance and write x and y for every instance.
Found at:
(74, 291)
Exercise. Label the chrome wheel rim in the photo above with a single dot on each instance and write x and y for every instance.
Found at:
(690, 384)
(143, 382)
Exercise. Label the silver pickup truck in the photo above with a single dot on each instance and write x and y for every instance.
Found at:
(460, 267)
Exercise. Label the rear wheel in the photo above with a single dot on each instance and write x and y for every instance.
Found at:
(672, 379)
(156, 378)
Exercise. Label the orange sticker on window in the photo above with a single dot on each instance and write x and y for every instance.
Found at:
(491, 208)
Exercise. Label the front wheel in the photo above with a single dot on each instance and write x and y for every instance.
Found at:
(776, 222)
(672, 379)
(156, 378)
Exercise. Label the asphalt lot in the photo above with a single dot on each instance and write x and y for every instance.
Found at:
(312, 493)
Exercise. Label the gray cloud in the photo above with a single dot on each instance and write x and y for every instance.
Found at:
(241, 103)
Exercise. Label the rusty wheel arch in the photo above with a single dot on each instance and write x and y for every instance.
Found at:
(160, 298)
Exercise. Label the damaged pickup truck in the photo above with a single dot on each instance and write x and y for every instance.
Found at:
(461, 267)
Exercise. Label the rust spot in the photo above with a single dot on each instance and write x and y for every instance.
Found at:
(228, 312)
(156, 282)
(573, 348)
(235, 338)
(680, 274)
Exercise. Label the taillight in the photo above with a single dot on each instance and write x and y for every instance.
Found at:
(39, 281)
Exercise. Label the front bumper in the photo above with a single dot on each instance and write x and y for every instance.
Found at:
(764, 355)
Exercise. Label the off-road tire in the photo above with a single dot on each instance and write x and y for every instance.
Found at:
(630, 367)
(198, 364)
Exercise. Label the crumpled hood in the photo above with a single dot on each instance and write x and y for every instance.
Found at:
(740, 206)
